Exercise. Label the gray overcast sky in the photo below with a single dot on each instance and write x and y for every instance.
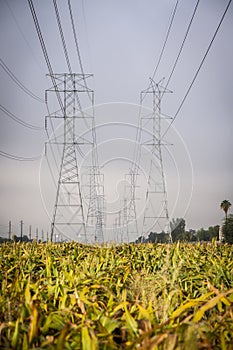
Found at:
(120, 42)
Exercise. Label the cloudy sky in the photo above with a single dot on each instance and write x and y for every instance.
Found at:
(120, 43)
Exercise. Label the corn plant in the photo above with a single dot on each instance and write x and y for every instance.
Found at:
(144, 296)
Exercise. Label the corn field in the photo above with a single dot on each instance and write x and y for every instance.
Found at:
(73, 296)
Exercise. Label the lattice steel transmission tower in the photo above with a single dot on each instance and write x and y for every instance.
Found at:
(68, 215)
(118, 227)
(125, 221)
(156, 218)
(100, 219)
(95, 212)
(130, 216)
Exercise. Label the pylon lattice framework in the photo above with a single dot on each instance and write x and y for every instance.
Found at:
(68, 215)
(129, 209)
(156, 218)
(95, 213)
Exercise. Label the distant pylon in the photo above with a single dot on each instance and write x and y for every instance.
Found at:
(118, 227)
(115, 230)
(156, 218)
(95, 213)
(125, 222)
(100, 219)
(130, 194)
(68, 215)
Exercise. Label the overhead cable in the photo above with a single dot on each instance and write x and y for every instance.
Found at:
(21, 159)
(75, 37)
(77, 46)
(82, 71)
(183, 42)
(18, 120)
(18, 82)
(65, 48)
(62, 36)
(166, 39)
(199, 68)
(45, 53)
(22, 34)
(68, 64)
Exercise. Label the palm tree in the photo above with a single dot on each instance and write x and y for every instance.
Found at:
(225, 205)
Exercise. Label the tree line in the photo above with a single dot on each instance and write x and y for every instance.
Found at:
(178, 232)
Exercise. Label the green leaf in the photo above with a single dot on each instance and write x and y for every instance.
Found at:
(53, 321)
(15, 336)
(88, 342)
(190, 304)
(33, 324)
(25, 342)
(144, 313)
(62, 337)
(109, 324)
(27, 293)
(130, 322)
(209, 305)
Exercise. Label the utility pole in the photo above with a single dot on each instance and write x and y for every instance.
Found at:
(156, 218)
(21, 231)
(30, 232)
(37, 234)
(9, 231)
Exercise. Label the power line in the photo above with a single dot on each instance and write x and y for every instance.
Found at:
(82, 70)
(18, 120)
(198, 70)
(76, 43)
(75, 37)
(68, 61)
(43, 46)
(85, 28)
(62, 36)
(166, 39)
(45, 53)
(18, 82)
(183, 42)
(65, 47)
(76, 96)
(21, 159)
(24, 37)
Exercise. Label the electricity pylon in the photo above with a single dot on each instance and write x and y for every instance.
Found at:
(156, 218)
(118, 227)
(68, 215)
(125, 222)
(130, 204)
(95, 213)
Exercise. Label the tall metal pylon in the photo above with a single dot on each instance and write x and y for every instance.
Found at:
(95, 212)
(118, 227)
(125, 221)
(100, 219)
(68, 215)
(130, 204)
(156, 218)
